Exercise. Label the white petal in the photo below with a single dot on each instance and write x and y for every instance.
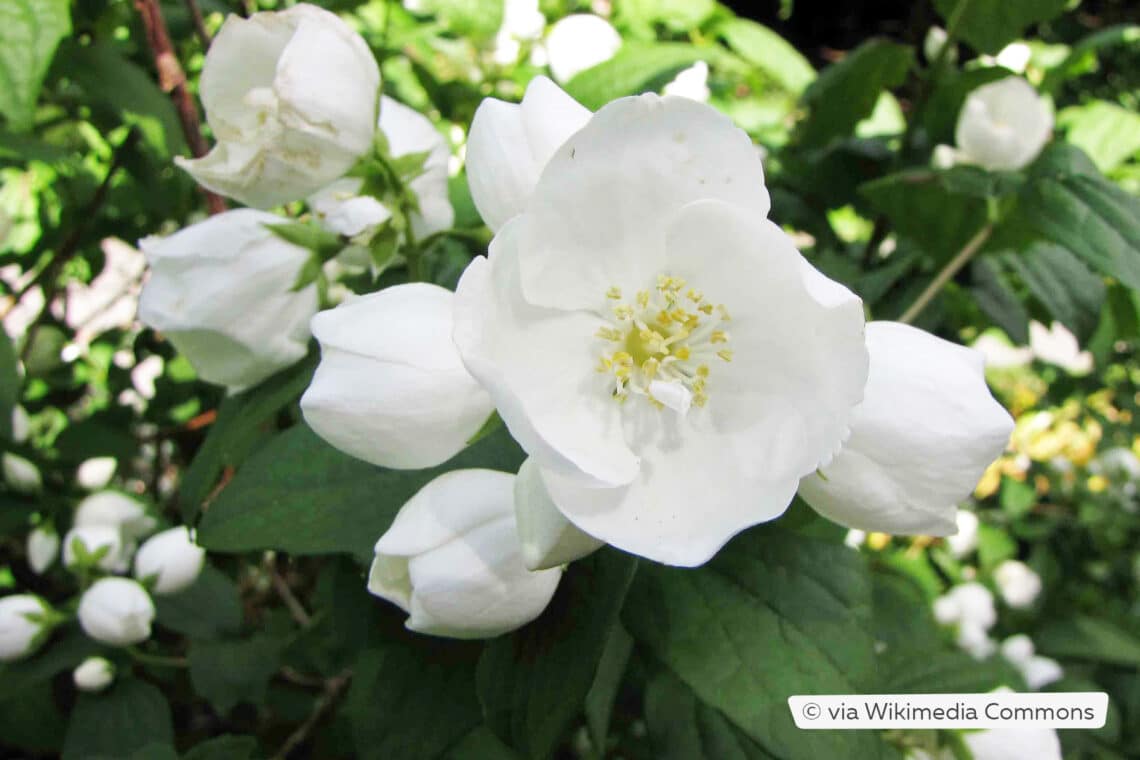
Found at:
(600, 211)
(1004, 125)
(1018, 584)
(578, 42)
(548, 539)
(966, 539)
(344, 211)
(1014, 742)
(391, 388)
(509, 145)
(1041, 671)
(924, 434)
(1018, 649)
(172, 558)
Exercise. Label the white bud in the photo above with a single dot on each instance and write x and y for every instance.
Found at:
(172, 558)
(1018, 649)
(974, 640)
(117, 510)
(1017, 583)
(104, 539)
(578, 42)
(93, 674)
(932, 45)
(968, 604)
(291, 97)
(42, 548)
(548, 539)
(96, 473)
(21, 425)
(116, 611)
(452, 559)
(222, 292)
(1003, 125)
(21, 474)
(966, 539)
(1039, 672)
(25, 621)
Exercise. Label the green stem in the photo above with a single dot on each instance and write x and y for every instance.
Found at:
(947, 273)
(157, 660)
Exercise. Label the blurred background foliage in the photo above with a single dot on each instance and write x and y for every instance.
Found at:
(278, 650)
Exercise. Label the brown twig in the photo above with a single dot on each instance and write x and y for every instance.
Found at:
(296, 609)
(334, 689)
(172, 80)
(199, 23)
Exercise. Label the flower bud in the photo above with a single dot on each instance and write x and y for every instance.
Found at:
(96, 473)
(117, 510)
(222, 292)
(21, 425)
(93, 674)
(116, 611)
(452, 560)
(172, 559)
(21, 474)
(966, 539)
(395, 394)
(291, 97)
(25, 621)
(578, 42)
(85, 542)
(42, 548)
(1003, 125)
(968, 604)
(548, 539)
(1017, 583)
(936, 39)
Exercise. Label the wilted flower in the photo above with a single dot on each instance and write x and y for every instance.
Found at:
(104, 541)
(25, 621)
(1003, 125)
(93, 674)
(42, 548)
(116, 611)
(171, 559)
(222, 292)
(452, 559)
(1017, 583)
(291, 97)
(391, 388)
(578, 42)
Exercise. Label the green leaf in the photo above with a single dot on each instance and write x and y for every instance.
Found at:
(930, 671)
(1072, 205)
(227, 747)
(300, 495)
(682, 727)
(929, 208)
(1062, 283)
(1087, 638)
(1085, 51)
(532, 684)
(209, 608)
(469, 18)
(56, 657)
(994, 546)
(480, 744)
(996, 298)
(678, 15)
(310, 236)
(237, 429)
(9, 384)
(30, 30)
(769, 52)
(940, 117)
(902, 619)
(846, 92)
(413, 699)
(988, 25)
(1108, 133)
(773, 614)
(127, 717)
(638, 67)
(599, 703)
(228, 672)
(31, 721)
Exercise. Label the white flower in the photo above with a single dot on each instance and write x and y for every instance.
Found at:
(936, 39)
(1014, 56)
(21, 474)
(1118, 462)
(452, 559)
(116, 611)
(1038, 671)
(291, 98)
(510, 144)
(600, 318)
(96, 473)
(42, 548)
(999, 352)
(1017, 583)
(970, 605)
(343, 210)
(93, 674)
(1013, 742)
(172, 558)
(107, 539)
(966, 539)
(855, 538)
(691, 83)
(974, 640)
(1003, 125)
(578, 42)
(118, 510)
(21, 425)
(1018, 649)
(522, 20)
(391, 388)
(924, 434)
(548, 538)
(24, 625)
(221, 292)
(1057, 345)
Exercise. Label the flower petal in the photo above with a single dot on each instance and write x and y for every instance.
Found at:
(548, 538)
(509, 145)
(927, 429)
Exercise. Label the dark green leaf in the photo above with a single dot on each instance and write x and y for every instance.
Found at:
(600, 698)
(638, 67)
(772, 615)
(300, 495)
(223, 748)
(209, 608)
(988, 25)
(1087, 638)
(846, 92)
(480, 744)
(769, 52)
(29, 33)
(228, 672)
(57, 655)
(1071, 293)
(997, 299)
(940, 117)
(30, 721)
(9, 384)
(923, 671)
(532, 684)
(921, 207)
(130, 715)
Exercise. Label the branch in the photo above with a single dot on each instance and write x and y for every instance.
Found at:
(199, 23)
(952, 268)
(172, 79)
(296, 609)
(334, 688)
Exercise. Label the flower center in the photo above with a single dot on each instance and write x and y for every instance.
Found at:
(660, 346)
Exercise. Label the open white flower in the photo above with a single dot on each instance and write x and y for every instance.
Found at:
(1003, 125)
(1057, 345)
(647, 336)
(391, 388)
(578, 42)
(291, 97)
(25, 621)
(116, 611)
(1017, 583)
(924, 434)
(171, 559)
(452, 559)
(342, 209)
(222, 292)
